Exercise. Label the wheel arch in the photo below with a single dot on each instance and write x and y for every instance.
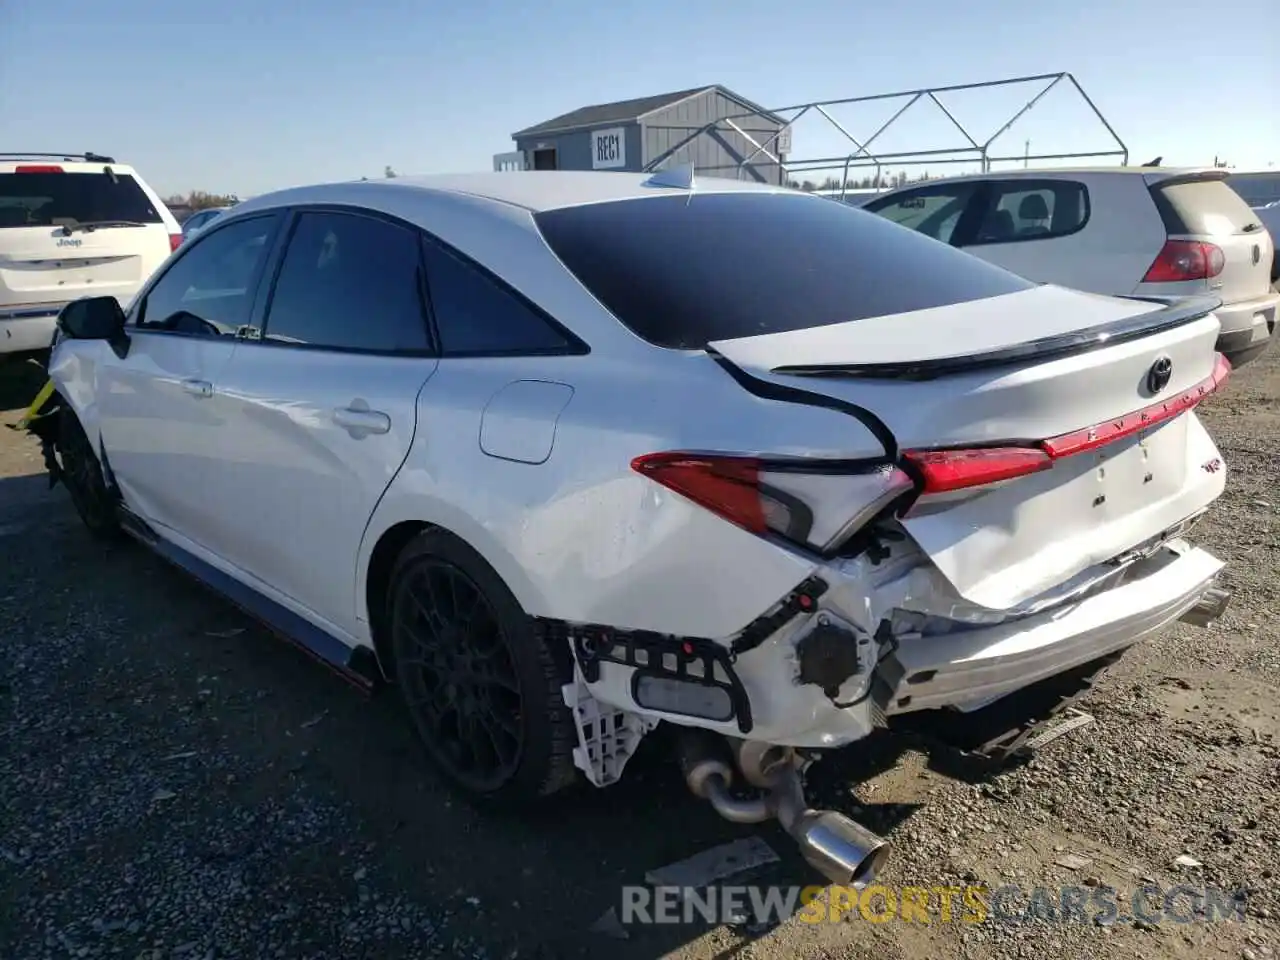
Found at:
(395, 530)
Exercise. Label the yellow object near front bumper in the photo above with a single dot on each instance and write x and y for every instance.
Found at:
(33, 411)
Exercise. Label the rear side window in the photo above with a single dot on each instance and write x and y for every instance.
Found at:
(681, 271)
(933, 211)
(476, 316)
(1016, 210)
(68, 199)
(349, 282)
(1202, 207)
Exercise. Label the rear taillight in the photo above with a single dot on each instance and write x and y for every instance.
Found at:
(1181, 260)
(821, 504)
(811, 502)
(175, 241)
(945, 471)
(37, 168)
(941, 471)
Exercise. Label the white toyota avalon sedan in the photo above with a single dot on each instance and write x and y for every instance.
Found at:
(564, 456)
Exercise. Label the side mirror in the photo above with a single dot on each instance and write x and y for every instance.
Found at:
(95, 318)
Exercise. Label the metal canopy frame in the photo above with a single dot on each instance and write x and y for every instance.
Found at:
(973, 150)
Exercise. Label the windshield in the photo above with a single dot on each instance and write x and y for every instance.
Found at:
(68, 199)
(682, 271)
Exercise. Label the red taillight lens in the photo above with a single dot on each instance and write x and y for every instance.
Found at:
(175, 241)
(942, 471)
(1181, 260)
(809, 502)
(37, 168)
(1091, 438)
(727, 486)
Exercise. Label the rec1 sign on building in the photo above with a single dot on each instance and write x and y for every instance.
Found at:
(608, 149)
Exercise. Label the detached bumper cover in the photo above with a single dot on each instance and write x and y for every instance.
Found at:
(970, 669)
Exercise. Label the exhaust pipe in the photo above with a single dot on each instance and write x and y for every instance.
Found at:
(1211, 605)
(842, 850)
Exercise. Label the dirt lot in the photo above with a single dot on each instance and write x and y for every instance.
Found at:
(176, 783)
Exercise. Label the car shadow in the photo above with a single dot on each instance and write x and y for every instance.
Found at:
(21, 377)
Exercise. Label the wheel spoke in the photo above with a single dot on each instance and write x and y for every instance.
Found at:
(498, 735)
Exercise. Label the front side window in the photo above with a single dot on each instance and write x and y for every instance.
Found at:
(934, 211)
(349, 282)
(209, 290)
(683, 271)
(1017, 210)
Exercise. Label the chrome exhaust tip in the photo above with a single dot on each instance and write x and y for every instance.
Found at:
(841, 849)
(1211, 605)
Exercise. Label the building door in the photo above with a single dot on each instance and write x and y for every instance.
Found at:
(544, 159)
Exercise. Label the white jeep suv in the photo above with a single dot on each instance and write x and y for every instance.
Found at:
(70, 227)
(1123, 231)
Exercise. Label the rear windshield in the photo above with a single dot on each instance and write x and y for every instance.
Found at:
(683, 271)
(1203, 207)
(61, 199)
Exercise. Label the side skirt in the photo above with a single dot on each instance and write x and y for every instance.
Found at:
(357, 665)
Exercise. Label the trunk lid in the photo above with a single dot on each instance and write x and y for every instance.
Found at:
(42, 265)
(1203, 207)
(1016, 369)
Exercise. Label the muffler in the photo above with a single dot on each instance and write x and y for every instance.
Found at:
(1212, 604)
(842, 850)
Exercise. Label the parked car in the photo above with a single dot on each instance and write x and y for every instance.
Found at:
(199, 220)
(1131, 231)
(1269, 214)
(567, 455)
(1257, 188)
(71, 227)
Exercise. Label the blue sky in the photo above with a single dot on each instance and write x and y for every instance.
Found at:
(244, 97)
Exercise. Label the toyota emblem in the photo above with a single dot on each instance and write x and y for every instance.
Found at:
(1160, 374)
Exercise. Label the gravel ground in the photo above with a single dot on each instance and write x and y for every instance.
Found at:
(175, 783)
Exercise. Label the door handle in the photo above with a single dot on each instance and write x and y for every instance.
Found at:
(198, 388)
(360, 420)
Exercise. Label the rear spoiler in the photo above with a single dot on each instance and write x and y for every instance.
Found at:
(1173, 312)
(1158, 182)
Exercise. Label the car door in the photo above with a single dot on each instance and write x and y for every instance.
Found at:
(940, 210)
(1033, 227)
(158, 413)
(321, 405)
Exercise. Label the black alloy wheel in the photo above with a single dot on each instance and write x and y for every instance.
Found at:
(83, 478)
(480, 686)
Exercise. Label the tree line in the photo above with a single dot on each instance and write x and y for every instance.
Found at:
(200, 200)
(879, 181)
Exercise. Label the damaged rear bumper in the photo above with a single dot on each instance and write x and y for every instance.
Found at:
(970, 669)
(832, 671)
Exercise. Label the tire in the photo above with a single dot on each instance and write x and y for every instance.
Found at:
(82, 476)
(480, 684)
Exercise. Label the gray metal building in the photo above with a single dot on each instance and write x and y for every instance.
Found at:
(721, 133)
